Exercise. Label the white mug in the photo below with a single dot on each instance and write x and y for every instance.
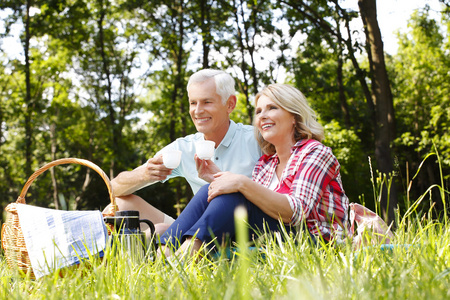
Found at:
(171, 158)
(205, 149)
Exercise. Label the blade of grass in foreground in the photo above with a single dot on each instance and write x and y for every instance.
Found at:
(240, 217)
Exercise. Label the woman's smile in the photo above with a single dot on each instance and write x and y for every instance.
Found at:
(267, 126)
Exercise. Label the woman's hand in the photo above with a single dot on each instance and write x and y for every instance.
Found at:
(225, 183)
(206, 169)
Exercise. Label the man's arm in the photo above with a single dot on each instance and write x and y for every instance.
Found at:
(128, 182)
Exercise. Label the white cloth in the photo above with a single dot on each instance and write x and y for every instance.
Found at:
(58, 238)
(274, 183)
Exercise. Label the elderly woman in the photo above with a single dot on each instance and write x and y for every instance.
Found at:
(296, 181)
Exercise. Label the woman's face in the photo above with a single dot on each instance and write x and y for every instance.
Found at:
(275, 124)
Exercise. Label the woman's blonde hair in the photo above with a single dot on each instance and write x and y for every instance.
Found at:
(293, 101)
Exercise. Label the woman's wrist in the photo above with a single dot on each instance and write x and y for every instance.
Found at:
(244, 184)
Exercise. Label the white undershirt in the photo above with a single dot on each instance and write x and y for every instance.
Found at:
(274, 183)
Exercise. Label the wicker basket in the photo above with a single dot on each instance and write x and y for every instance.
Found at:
(13, 241)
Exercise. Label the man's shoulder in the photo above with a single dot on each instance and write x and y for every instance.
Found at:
(185, 143)
(244, 133)
(246, 129)
(244, 138)
(244, 126)
(190, 138)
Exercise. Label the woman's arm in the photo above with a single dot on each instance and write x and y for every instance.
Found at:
(272, 203)
(317, 168)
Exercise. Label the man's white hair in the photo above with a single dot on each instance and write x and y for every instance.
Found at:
(224, 82)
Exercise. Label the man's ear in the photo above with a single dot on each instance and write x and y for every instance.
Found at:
(231, 103)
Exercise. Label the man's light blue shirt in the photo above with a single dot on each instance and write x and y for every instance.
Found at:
(237, 153)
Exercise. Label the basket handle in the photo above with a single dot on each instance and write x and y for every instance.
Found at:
(62, 161)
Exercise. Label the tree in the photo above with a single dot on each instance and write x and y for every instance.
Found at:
(382, 98)
(422, 103)
(21, 13)
(251, 33)
(28, 88)
(169, 27)
(106, 61)
(322, 20)
(106, 80)
(7, 117)
(210, 17)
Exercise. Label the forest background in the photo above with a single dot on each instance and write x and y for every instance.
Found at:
(106, 81)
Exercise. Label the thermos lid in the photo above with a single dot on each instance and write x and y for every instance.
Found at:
(127, 213)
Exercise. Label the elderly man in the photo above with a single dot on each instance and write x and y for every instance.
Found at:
(211, 100)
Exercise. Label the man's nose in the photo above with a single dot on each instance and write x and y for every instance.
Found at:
(199, 108)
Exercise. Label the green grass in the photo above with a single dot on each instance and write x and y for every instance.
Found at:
(290, 269)
(284, 268)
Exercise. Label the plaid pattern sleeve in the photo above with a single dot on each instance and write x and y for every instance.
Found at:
(312, 183)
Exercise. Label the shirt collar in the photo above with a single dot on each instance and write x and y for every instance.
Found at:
(297, 145)
(226, 141)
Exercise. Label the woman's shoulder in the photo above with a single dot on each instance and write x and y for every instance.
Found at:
(308, 145)
(312, 147)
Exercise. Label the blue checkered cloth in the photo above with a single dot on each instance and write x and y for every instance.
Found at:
(56, 238)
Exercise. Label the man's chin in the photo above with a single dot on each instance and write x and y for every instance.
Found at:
(202, 130)
(202, 127)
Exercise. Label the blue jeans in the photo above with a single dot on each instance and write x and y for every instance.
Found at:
(206, 220)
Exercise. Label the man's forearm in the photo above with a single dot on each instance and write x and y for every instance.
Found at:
(128, 182)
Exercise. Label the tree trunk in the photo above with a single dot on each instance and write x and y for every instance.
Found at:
(178, 86)
(340, 80)
(360, 74)
(106, 74)
(342, 98)
(178, 74)
(28, 108)
(53, 158)
(205, 20)
(2, 114)
(318, 21)
(382, 98)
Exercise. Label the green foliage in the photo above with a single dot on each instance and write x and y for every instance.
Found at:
(108, 84)
(88, 100)
(346, 146)
(421, 90)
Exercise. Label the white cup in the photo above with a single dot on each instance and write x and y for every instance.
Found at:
(171, 158)
(205, 149)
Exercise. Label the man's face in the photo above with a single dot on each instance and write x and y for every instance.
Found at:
(209, 114)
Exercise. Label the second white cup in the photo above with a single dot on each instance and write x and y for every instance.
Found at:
(205, 149)
(171, 158)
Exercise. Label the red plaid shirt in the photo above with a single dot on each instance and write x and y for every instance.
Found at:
(313, 186)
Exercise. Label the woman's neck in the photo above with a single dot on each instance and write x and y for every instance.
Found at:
(283, 153)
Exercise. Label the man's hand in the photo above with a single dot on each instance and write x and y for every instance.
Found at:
(206, 169)
(155, 169)
(127, 182)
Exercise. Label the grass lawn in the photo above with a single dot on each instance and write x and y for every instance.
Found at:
(292, 269)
